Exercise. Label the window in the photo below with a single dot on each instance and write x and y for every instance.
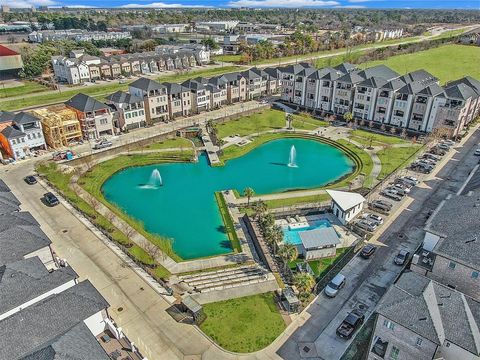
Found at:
(14, 141)
(474, 274)
(388, 324)
(452, 265)
(394, 353)
(419, 341)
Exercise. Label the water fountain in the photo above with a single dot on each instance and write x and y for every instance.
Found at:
(292, 160)
(155, 180)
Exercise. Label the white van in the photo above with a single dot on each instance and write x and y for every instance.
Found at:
(334, 286)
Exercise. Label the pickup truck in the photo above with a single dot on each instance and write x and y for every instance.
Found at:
(352, 323)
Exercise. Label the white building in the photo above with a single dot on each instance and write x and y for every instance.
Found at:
(319, 243)
(346, 205)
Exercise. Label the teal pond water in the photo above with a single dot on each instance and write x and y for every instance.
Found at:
(184, 208)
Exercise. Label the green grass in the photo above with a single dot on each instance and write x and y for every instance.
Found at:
(265, 121)
(28, 87)
(395, 158)
(100, 91)
(228, 222)
(447, 62)
(228, 58)
(141, 255)
(175, 143)
(93, 180)
(365, 159)
(244, 324)
(278, 203)
(365, 137)
(448, 34)
(321, 266)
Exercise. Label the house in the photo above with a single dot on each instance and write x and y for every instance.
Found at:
(20, 134)
(200, 94)
(450, 253)
(471, 37)
(419, 318)
(60, 125)
(155, 99)
(256, 80)
(179, 100)
(10, 63)
(96, 119)
(130, 110)
(8, 202)
(236, 87)
(319, 243)
(346, 205)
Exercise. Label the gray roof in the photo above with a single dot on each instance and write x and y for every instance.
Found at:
(460, 91)
(433, 311)
(18, 241)
(25, 280)
(146, 84)
(18, 118)
(194, 84)
(294, 69)
(459, 234)
(7, 196)
(10, 132)
(85, 103)
(353, 77)
(41, 324)
(329, 74)
(320, 237)
(7, 207)
(373, 82)
(16, 218)
(78, 343)
(3, 186)
(394, 84)
(469, 81)
(418, 75)
(174, 88)
(345, 67)
(122, 97)
(379, 71)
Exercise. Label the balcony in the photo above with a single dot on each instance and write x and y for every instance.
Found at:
(117, 349)
(380, 347)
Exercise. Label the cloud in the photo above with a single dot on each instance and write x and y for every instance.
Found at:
(27, 3)
(358, 1)
(350, 7)
(283, 3)
(160, 5)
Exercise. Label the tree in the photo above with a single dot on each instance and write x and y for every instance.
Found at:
(304, 281)
(248, 192)
(210, 43)
(151, 249)
(259, 207)
(348, 116)
(288, 252)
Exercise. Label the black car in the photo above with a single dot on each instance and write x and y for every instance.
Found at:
(30, 180)
(402, 257)
(368, 251)
(51, 199)
(352, 323)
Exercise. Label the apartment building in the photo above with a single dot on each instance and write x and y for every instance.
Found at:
(96, 118)
(179, 100)
(129, 109)
(200, 94)
(450, 250)
(20, 134)
(236, 87)
(218, 92)
(155, 99)
(60, 125)
(76, 35)
(419, 318)
(256, 80)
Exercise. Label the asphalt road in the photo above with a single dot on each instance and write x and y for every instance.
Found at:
(368, 280)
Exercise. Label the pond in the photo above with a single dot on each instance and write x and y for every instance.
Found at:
(184, 208)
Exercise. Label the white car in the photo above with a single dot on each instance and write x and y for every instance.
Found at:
(334, 286)
(477, 152)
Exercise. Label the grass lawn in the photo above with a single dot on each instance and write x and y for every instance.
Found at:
(264, 121)
(364, 157)
(278, 203)
(100, 91)
(393, 158)
(321, 266)
(447, 62)
(175, 143)
(365, 136)
(244, 324)
(28, 87)
(228, 222)
(228, 58)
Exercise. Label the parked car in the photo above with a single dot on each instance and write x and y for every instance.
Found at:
(435, 150)
(367, 251)
(410, 180)
(352, 323)
(401, 186)
(51, 199)
(366, 225)
(334, 286)
(443, 146)
(402, 257)
(477, 152)
(373, 218)
(431, 156)
(30, 179)
(396, 189)
(380, 205)
(102, 145)
(391, 194)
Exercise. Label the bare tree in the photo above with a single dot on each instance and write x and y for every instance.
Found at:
(151, 249)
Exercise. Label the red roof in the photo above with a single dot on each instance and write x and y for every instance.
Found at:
(4, 51)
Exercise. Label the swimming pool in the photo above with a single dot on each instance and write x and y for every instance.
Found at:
(292, 235)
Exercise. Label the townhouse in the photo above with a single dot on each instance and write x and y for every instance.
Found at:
(155, 99)
(450, 252)
(20, 134)
(129, 110)
(179, 100)
(419, 318)
(256, 81)
(60, 125)
(200, 94)
(96, 118)
(218, 92)
(236, 87)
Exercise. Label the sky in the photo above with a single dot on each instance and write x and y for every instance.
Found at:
(433, 4)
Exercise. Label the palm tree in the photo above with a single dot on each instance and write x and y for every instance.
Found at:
(304, 281)
(259, 207)
(288, 253)
(348, 116)
(248, 192)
